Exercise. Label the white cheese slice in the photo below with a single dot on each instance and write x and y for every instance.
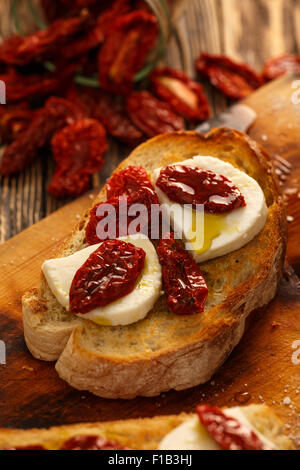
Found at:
(220, 234)
(192, 435)
(59, 273)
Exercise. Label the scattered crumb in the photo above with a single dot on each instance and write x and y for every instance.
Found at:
(287, 401)
(276, 324)
(91, 196)
(291, 191)
(264, 137)
(290, 218)
(212, 383)
(31, 369)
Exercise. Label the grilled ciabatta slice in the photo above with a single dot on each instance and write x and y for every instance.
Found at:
(166, 351)
(137, 434)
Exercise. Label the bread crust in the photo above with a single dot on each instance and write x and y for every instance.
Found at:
(137, 434)
(252, 276)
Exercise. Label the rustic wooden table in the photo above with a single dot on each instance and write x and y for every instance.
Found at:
(249, 30)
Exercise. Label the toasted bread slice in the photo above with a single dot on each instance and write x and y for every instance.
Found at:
(166, 351)
(138, 434)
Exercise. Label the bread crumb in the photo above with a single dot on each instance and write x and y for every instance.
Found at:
(31, 369)
(275, 324)
(290, 218)
(287, 401)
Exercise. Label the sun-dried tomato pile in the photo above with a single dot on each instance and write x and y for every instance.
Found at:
(78, 80)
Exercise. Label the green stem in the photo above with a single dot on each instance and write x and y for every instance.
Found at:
(87, 81)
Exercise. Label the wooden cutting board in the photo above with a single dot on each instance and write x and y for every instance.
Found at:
(264, 368)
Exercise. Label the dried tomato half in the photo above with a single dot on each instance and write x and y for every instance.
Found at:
(277, 66)
(56, 113)
(21, 87)
(192, 185)
(125, 49)
(31, 447)
(97, 33)
(235, 80)
(228, 432)
(108, 274)
(78, 150)
(14, 122)
(128, 181)
(118, 208)
(185, 96)
(151, 115)
(184, 285)
(18, 50)
(90, 443)
(84, 97)
(112, 113)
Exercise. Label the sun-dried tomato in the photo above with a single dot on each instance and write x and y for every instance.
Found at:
(234, 79)
(112, 113)
(52, 9)
(184, 285)
(124, 52)
(128, 181)
(108, 274)
(277, 66)
(97, 33)
(56, 113)
(78, 150)
(13, 122)
(118, 208)
(107, 18)
(18, 50)
(151, 115)
(228, 432)
(20, 87)
(90, 443)
(85, 98)
(185, 96)
(192, 185)
(30, 447)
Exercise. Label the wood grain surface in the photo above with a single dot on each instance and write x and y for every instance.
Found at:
(261, 368)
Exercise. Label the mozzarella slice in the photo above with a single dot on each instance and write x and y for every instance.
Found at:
(59, 273)
(192, 435)
(219, 234)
